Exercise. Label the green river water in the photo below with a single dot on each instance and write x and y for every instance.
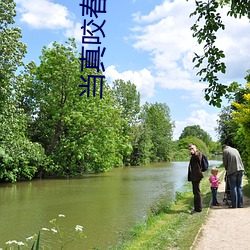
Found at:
(104, 204)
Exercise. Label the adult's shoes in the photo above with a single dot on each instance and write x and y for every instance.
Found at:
(194, 212)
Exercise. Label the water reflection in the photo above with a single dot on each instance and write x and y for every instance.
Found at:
(105, 204)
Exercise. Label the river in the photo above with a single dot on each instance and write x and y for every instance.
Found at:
(104, 204)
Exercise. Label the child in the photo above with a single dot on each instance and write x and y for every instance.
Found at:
(214, 185)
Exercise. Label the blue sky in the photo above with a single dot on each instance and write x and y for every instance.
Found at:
(148, 42)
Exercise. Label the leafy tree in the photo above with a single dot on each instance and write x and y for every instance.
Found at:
(183, 144)
(12, 50)
(142, 145)
(241, 116)
(128, 100)
(19, 157)
(208, 23)
(215, 147)
(227, 127)
(78, 133)
(156, 120)
(196, 131)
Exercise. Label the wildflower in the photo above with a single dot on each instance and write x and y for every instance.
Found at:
(61, 215)
(54, 230)
(29, 238)
(45, 229)
(78, 228)
(20, 243)
(10, 242)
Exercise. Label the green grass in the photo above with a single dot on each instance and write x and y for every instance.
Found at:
(170, 226)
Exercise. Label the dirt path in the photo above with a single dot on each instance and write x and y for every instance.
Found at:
(225, 228)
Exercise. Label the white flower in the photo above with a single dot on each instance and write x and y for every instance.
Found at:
(10, 242)
(54, 230)
(20, 243)
(61, 215)
(29, 238)
(45, 229)
(78, 228)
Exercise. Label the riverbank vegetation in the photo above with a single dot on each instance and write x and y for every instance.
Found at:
(170, 226)
(49, 130)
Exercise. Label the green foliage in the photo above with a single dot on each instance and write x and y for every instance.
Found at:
(242, 117)
(12, 50)
(142, 145)
(20, 157)
(78, 133)
(227, 127)
(201, 146)
(233, 123)
(157, 122)
(36, 243)
(48, 129)
(205, 28)
(128, 100)
(215, 147)
(196, 131)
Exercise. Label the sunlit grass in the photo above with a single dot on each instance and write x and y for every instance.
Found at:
(170, 226)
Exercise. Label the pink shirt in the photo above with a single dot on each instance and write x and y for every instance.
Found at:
(214, 181)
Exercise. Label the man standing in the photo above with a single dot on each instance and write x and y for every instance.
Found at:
(195, 175)
(235, 170)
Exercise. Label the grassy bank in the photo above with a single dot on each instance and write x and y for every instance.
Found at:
(170, 227)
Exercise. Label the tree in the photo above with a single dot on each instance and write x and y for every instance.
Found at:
(12, 50)
(242, 117)
(20, 158)
(183, 144)
(196, 131)
(157, 122)
(128, 100)
(208, 23)
(78, 133)
(142, 145)
(227, 127)
(230, 130)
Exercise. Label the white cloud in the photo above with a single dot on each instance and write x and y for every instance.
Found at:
(234, 41)
(75, 32)
(44, 14)
(165, 33)
(143, 80)
(208, 122)
(159, 12)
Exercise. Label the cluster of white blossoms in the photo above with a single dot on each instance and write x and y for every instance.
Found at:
(20, 243)
(78, 228)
